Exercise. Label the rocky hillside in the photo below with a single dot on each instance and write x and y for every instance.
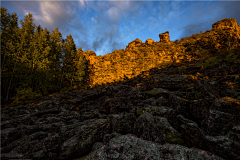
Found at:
(187, 108)
(139, 56)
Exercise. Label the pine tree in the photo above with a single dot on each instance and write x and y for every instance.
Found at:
(56, 55)
(82, 67)
(41, 60)
(26, 48)
(9, 57)
(33, 60)
(69, 49)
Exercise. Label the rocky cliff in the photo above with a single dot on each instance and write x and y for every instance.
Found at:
(138, 57)
(187, 108)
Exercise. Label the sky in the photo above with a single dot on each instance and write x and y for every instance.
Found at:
(106, 26)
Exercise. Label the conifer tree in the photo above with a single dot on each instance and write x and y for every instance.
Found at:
(9, 57)
(40, 60)
(56, 56)
(69, 49)
(82, 68)
(33, 60)
(26, 48)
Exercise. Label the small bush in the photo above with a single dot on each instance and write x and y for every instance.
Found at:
(212, 62)
(67, 89)
(25, 94)
(164, 64)
(233, 57)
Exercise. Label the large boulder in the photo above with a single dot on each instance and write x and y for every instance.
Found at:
(130, 147)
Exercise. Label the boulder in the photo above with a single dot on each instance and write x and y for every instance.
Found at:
(149, 41)
(131, 147)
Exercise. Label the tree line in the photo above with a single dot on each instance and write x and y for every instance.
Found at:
(35, 62)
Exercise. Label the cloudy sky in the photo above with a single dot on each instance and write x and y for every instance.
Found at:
(105, 26)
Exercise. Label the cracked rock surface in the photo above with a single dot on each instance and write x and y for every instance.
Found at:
(175, 113)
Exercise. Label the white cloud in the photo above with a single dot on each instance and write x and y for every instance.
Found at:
(122, 5)
(51, 13)
(102, 51)
(114, 14)
(81, 4)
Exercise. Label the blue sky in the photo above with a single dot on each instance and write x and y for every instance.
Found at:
(105, 26)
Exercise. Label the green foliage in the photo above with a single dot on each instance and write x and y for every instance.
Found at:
(43, 61)
(210, 63)
(25, 94)
(69, 67)
(204, 53)
(67, 89)
(233, 56)
(164, 64)
(46, 88)
(81, 67)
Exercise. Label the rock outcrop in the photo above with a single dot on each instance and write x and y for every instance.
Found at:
(149, 41)
(138, 57)
(181, 112)
(137, 42)
(90, 55)
(225, 24)
(230, 25)
(164, 37)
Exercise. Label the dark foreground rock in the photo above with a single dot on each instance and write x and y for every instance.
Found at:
(173, 113)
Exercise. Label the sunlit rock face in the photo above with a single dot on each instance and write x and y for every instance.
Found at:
(140, 56)
(230, 25)
(137, 42)
(90, 53)
(149, 41)
(226, 23)
(164, 37)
